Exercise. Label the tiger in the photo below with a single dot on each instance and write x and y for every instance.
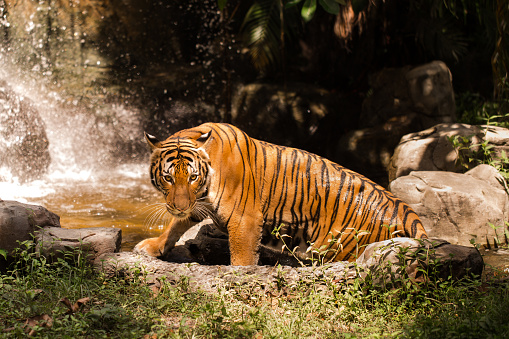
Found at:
(249, 188)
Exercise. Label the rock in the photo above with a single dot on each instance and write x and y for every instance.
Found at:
(211, 278)
(23, 142)
(431, 150)
(404, 100)
(453, 262)
(207, 245)
(18, 222)
(390, 260)
(431, 92)
(426, 89)
(94, 241)
(457, 207)
(369, 150)
(287, 116)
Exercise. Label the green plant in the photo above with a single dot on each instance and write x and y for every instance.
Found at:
(469, 154)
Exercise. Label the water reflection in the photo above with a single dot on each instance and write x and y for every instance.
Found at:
(117, 198)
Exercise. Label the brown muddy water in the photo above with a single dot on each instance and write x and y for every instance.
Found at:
(123, 198)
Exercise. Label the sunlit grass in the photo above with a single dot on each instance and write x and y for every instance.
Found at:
(33, 290)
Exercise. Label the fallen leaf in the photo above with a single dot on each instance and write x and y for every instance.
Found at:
(155, 291)
(41, 320)
(73, 308)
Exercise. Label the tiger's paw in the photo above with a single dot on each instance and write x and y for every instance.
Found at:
(149, 247)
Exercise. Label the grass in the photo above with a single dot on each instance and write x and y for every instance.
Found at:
(67, 299)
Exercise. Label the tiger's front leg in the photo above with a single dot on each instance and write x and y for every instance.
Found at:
(244, 237)
(158, 247)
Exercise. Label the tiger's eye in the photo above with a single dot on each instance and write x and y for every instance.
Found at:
(193, 177)
(168, 178)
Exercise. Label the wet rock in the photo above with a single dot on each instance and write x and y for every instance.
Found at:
(92, 242)
(457, 207)
(23, 142)
(391, 260)
(18, 222)
(431, 149)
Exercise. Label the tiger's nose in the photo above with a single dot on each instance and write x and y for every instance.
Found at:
(182, 202)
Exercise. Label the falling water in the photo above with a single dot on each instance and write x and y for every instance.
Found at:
(85, 182)
(97, 82)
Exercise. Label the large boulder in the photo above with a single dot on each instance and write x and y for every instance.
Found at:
(23, 143)
(403, 101)
(18, 222)
(432, 149)
(458, 207)
(407, 256)
(425, 89)
(286, 115)
(391, 260)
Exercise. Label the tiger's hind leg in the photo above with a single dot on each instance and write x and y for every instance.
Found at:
(159, 246)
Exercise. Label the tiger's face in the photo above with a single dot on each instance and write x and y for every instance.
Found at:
(180, 171)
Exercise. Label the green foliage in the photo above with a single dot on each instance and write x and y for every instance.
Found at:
(126, 306)
(3, 253)
(500, 59)
(261, 32)
(473, 109)
(471, 154)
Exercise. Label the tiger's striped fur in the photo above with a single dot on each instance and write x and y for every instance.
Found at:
(248, 187)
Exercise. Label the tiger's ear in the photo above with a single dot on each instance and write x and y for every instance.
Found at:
(152, 141)
(202, 139)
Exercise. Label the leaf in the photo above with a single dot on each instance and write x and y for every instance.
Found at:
(3, 253)
(221, 4)
(292, 3)
(73, 308)
(308, 10)
(330, 6)
(38, 321)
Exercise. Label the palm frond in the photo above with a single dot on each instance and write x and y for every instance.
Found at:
(261, 33)
(441, 38)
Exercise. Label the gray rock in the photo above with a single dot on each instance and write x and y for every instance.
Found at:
(206, 244)
(288, 115)
(457, 207)
(404, 101)
(430, 149)
(382, 261)
(93, 242)
(210, 278)
(426, 89)
(391, 260)
(431, 92)
(19, 221)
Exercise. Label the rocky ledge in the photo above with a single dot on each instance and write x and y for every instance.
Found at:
(385, 262)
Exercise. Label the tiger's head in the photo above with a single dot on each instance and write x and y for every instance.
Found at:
(180, 170)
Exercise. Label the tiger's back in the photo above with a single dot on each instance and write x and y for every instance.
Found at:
(255, 187)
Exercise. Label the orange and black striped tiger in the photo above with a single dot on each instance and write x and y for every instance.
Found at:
(249, 187)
